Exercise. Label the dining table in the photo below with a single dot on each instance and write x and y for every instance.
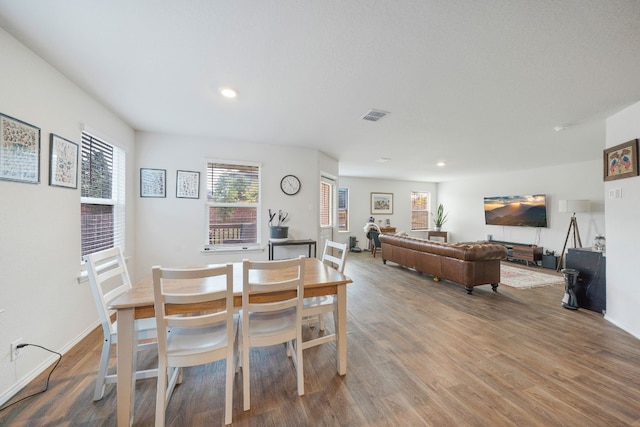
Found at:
(137, 303)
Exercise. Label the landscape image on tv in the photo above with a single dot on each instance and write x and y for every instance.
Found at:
(525, 211)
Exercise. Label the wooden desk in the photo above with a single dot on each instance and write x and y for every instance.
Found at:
(433, 233)
(137, 303)
(304, 242)
(388, 230)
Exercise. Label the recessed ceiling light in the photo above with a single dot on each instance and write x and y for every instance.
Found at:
(228, 92)
(441, 164)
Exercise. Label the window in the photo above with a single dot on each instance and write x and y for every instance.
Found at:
(233, 203)
(419, 210)
(326, 202)
(102, 195)
(343, 209)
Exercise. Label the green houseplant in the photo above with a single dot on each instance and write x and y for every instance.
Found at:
(440, 217)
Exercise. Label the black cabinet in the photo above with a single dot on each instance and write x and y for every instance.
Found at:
(591, 288)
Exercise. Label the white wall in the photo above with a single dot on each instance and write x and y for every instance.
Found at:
(172, 231)
(623, 232)
(360, 190)
(41, 300)
(463, 200)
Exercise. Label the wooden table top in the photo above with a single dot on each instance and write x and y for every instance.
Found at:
(319, 279)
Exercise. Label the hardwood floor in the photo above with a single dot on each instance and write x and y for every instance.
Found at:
(419, 353)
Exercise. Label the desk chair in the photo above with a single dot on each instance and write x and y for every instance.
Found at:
(315, 308)
(266, 320)
(109, 279)
(203, 332)
(375, 237)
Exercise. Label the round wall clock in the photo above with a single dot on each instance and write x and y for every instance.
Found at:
(290, 185)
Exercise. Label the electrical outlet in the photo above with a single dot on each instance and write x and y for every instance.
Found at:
(15, 351)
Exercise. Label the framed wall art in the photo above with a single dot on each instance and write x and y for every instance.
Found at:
(153, 182)
(381, 203)
(19, 151)
(63, 162)
(188, 185)
(621, 161)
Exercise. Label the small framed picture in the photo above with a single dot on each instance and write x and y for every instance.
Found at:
(153, 182)
(19, 151)
(621, 161)
(63, 162)
(381, 203)
(188, 185)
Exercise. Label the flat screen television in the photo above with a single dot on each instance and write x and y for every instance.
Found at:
(522, 211)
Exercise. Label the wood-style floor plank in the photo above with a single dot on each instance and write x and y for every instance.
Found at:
(420, 353)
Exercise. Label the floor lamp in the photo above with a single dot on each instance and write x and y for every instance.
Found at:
(572, 206)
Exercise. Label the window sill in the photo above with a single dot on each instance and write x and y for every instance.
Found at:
(218, 249)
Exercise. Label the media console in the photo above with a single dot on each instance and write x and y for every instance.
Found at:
(522, 252)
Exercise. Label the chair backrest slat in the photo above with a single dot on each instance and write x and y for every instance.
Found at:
(329, 256)
(109, 278)
(272, 285)
(190, 289)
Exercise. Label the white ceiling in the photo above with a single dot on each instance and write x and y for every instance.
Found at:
(477, 84)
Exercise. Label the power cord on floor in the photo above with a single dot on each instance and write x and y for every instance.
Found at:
(46, 387)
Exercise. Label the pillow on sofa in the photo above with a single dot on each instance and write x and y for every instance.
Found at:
(401, 234)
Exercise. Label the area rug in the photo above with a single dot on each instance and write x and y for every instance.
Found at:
(523, 278)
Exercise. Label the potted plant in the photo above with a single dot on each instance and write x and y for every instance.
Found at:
(549, 259)
(440, 217)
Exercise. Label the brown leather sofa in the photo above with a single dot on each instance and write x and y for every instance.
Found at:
(470, 264)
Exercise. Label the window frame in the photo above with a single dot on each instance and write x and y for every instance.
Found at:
(118, 192)
(426, 209)
(344, 229)
(209, 203)
(331, 183)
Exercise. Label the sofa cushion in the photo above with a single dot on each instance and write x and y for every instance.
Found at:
(465, 251)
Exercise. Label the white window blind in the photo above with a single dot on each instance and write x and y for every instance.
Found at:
(343, 209)
(233, 203)
(326, 202)
(419, 210)
(102, 195)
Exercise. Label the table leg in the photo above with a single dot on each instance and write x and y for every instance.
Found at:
(126, 366)
(341, 330)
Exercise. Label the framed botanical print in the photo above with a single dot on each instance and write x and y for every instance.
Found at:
(153, 182)
(63, 162)
(19, 151)
(188, 185)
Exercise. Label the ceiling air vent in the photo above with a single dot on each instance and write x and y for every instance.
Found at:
(374, 115)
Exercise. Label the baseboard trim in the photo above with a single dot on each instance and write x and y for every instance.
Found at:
(30, 376)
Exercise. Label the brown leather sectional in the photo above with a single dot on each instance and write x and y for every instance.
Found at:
(470, 264)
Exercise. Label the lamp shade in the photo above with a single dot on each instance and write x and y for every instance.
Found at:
(574, 206)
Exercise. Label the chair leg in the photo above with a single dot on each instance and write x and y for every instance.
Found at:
(246, 388)
(228, 399)
(161, 393)
(299, 364)
(102, 370)
(321, 318)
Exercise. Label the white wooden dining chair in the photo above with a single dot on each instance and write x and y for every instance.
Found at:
(266, 321)
(315, 308)
(203, 331)
(109, 278)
